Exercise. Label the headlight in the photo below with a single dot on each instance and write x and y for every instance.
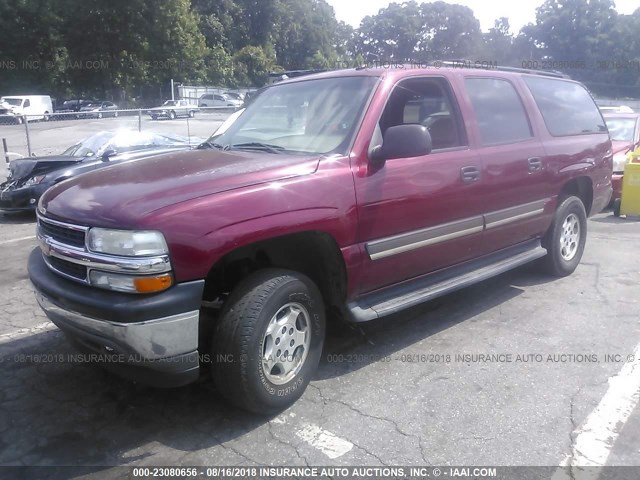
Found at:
(35, 180)
(126, 243)
(619, 161)
(129, 283)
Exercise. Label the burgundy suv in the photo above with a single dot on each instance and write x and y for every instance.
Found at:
(353, 194)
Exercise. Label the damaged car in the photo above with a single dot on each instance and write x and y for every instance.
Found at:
(30, 177)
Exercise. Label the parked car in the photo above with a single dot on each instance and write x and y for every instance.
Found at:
(68, 107)
(327, 198)
(616, 109)
(172, 109)
(35, 107)
(235, 96)
(98, 110)
(30, 177)
(624, 129)
(218, 100)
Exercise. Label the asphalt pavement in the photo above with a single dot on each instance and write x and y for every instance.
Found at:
(521, 370)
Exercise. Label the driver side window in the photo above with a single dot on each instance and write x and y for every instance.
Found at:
(426, 102)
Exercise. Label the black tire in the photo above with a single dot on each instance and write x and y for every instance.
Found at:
(153, 117)
(192, 114)
(19, 120)
(46, 117)
(616, 207)
(240, 339)
(172, 115)
(99, 115)
(562, 258)
(115, 114)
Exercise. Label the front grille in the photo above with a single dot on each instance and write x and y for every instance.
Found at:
(62, 234)
(72, 269)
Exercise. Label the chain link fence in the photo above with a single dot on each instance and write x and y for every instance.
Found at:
(37, 136)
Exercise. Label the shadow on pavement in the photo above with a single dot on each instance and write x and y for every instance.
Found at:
(72, 413)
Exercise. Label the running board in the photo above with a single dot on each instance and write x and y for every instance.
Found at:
(422, 289)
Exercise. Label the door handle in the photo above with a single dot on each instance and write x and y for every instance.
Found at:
(535, 164)
(470, 174)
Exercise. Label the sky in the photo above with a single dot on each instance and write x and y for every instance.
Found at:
(519, 12)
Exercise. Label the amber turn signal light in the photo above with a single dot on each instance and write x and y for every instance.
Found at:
(153, 284)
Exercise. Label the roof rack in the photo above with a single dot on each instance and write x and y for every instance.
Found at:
(488, 66)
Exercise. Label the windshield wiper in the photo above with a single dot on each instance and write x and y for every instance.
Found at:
(266, 147)
(208, 144)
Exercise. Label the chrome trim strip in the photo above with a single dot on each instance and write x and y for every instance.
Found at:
(152, 339)
(422, 238)
(514, 214)
(406, 242)
(109, 263)
(78, 228)
(522, 216)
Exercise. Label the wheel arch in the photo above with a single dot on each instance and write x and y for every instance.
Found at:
(313, 253)
(581, 187)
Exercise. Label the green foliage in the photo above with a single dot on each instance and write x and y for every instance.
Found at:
(126, 50)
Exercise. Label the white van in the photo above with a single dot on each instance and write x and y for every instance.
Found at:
(36, 107)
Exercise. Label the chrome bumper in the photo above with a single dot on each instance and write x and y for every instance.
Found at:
(155, 339)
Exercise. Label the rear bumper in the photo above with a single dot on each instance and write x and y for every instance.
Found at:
(616, 181)
(150, 339)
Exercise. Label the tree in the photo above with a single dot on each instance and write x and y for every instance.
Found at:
(253, 65)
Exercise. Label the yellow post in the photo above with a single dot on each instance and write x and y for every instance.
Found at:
(630, 202)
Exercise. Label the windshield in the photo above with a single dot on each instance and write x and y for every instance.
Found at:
(310, 117)
(621, 128)
(13, 101)
(122, 141)
(90, 146)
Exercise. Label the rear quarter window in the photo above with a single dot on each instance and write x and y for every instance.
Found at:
(567, 107)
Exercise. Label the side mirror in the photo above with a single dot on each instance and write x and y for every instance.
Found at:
(109, 152)
(402, 141)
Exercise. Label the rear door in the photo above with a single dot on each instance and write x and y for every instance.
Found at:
(515, 176)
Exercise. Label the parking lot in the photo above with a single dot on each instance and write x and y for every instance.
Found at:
(54, 137)
(520, 370)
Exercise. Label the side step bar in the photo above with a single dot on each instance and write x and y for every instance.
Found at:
(413, 292)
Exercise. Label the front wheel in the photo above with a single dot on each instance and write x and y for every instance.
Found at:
(566, 238)
(268, 342)
(192, 114)
(172, 115)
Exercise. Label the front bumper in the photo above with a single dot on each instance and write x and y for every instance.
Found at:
(20, 199)
(152, 339)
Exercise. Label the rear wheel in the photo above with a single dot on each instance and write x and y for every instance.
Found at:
(115, 114)
(46, 116)
(192, 114)
(566, 238)
(99, 115)
(268, 342)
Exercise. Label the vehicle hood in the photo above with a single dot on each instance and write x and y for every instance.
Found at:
(23, 168)
(618, 146)
(120, 196)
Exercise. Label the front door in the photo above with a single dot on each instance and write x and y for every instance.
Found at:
(417, 215)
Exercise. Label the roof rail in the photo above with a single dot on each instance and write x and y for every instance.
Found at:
(462, 63)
